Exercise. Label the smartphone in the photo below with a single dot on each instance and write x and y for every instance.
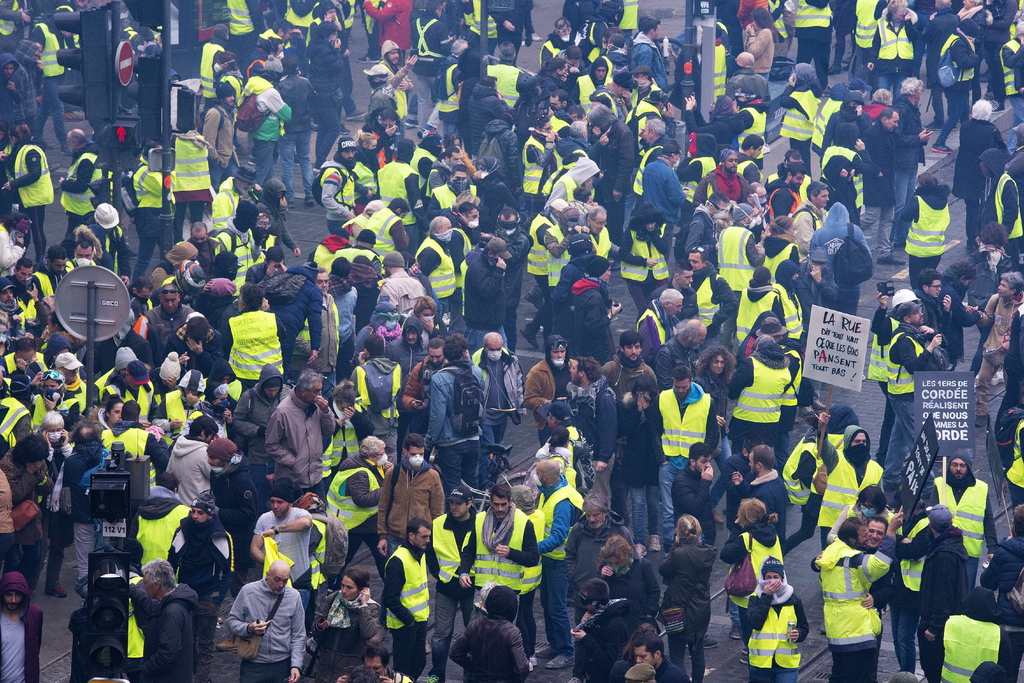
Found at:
(886, 288)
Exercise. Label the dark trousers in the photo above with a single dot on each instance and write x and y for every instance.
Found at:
(274, 672)
(328, 125)
(888, 420)
(410, 649)
(543, 317)
(61, 536)
(972, 222)
(195, 214)
(919, 263)
(147, 226)
(808, 50)
(995, 71)
(527, 623)
(677, 647)
(74, 220)
(355, 540)
(1011, 663)
(204, 626)
(854, 667)
(616, 211)
(808, 523)
(37, 215)
(930, 654)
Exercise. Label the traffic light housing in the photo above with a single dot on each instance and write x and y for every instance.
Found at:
(94, 58)
(119, 143)
(107, 610)
(147, 90)
(148, 13)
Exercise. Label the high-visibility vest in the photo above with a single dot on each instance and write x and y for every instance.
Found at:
(318, 555)
(646, 250)
(392, 185)
(797, 124)
(446, 197)
(1017, 229)
(649, 314)
(345, 181)
(758, 554)
(843, 488)
(531, 575)
(720, 68)
(1009, 84)
(340, 503)
(802, 193)
(448, 551)
(603, 246)
(414, 596)
(239, 21)
(224, 204)
(556, 263)
(191, 165)
(140, 395)
(877, 369)
(49, 56)
(830, 107)
(965, 75)
(733, 265)
(489, 567)
(900, 380)
(893, 44)
(344, 442)
(707, 165)
(682, 430)
(760, 402)
(750, 310)
(15, 411)
(798, 492)
(148, 187)
(770, 644)
(422, 48)
(630, 11)
(381, 223)
(645, 158)
(80, 202)
(7, 27)
(927, 234)
(39, 193)
(419, 155)
(537, 259)
(473, 20)
(508, 77)
(910, 570)
(843, 587)
(301, 21)
(969, 513)
(442, 278)
(450, 102)
(835, 150)
(533, 172)
(637, 117)
(134, 440)
(706, 308)
(756, 128)
(206, 78)
(968, 644)
(136, 638)
(809, 17)
(864, 33)
(255, 344)
(1016, 472)
(155, 535)
(174, 406)
(791, 311)
(787, 254)
(547, 505)
(244, 248)
(363, 391)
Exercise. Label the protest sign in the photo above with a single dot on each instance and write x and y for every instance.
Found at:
(837, 348)
(917, 469)
(949, 398)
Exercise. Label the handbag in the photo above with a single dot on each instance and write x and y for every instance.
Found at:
(23, 513)
(741, 581)
(674, 619)
(248, 647)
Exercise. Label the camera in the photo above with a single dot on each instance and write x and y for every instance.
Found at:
(886, 288)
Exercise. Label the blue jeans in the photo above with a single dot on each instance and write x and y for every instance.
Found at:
(458, 463)
(218, 175)
(1017, 102)
(645, 500)
(52, 106)
(666, 475)
(554, 593)
(776, 674)
(905, 182)
(290, 147)
(263, 158)
(445, 610)
(890, 82)
(904, 635)
(328, 124)
(972, 571)
(489, 435)
(903, 433)
(956, 111)
(476, 338)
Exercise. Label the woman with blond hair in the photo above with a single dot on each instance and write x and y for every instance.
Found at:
(686, 609)
(758, 539)
(629, 577)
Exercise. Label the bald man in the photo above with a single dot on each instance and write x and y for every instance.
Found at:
(503, 394)
(284, 635)
(745, 82)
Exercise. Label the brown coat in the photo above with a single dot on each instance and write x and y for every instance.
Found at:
(6, 525)
(709, 185)
(27, 486)
(410, 496)
(762, 46)
(413, 390)
(539, 389)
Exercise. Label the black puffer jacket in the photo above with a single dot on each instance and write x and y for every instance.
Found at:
(169, 634)
(490, 650)
(591, 324)
(484, 106)
(1001, 574)
(601, 647)
(691, 495)
(512, 163)
(909, 147)
(639, 587)
(325, 63)
(235, 492)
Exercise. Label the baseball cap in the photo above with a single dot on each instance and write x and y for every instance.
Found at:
(556, 409)
(460, 494)
(939, 515)
(377, 70)
(5, 283)
(138, 373)
(559, 205)
(496, 245)
(67, 361)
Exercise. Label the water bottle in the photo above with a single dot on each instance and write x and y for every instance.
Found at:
(666, 48)
(790, 627)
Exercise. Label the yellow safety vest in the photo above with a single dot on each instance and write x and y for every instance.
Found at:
(843, 488)
(900, 381)
(791, 311)
(969, 513)
(537, 259)
(451, 101)
(442, 278)
(508, 78)
(758, 554)
(835, 150)
(15, 411)
(175, 408)
(7, 27)
(556, 263)
(928, 233)
(363, 391)
(844, 584)
(254, 344)
(968, 644)
(761, 401)
(864, 33)
(1016, 472)
(531, 575)
(548, 504)
(448, 551)
(910, 570)
(414, 596)
(706, 308)
(1017, 229)
(49, 57)
(191, 165)
(720, 69)
(206, 80)
(155, 535)
(797, 124)
(770, 645)
(244, 248)
(893, 44)
(533, 172)
(381, 223)
(340, 503)
(344, 442)
(733, 265)
(830, 107)
(296, 20)
(224, 204)
(965, 74)
(39, 193)
(646, 250)
(808, 17)
(648, 314)
(474, 21)
(787, 254)
(750, 310)
(148, 187)
(1008, 81)
(392, 185)
(136, 638)
(645, 158)
(80, 202)
(799, 494)
(239, 21)
(682, 430)
(877, 365)
(490, 567)
(707, 165)
(318, 556)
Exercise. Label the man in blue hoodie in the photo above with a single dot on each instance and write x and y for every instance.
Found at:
(830, 237)
(457, 449)
(294, 312)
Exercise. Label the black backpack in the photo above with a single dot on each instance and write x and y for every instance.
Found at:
(853, 264)
(1006, 433)
(318, 184)
(467, 405)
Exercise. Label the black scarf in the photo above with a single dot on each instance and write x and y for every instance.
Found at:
(198, 552)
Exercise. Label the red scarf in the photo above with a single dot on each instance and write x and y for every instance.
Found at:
(729, 185)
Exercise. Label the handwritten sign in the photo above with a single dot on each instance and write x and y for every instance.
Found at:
(837, 348)
(917, 468)
(948, 397)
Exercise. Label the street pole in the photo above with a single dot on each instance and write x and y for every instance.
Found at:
(115, 108)
(707, 65)
(166, 219)
(484, 30)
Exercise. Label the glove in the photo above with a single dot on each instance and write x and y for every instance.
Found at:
(261, 432)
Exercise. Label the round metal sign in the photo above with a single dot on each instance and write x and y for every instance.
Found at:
(124, 62)
(112, 302)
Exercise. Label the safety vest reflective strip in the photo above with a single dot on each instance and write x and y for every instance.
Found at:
(965, 74)
(630, 10)
(758, 554)
(382, 229)
(968, 644)
(858, 180)
(910, 570)
(242, 247)
(474, 21)
(80, 202)
(192, 165)
(537, 259)
(771, 643)
(808, 17)
(797, 124)
(791, 312)
(508, 78)
(534, 172)
(1017, 230)
(646, 250)
(134, 440)
(843, 586)
(772, 262)
(706, 308)
(451, 101)
(756, 128)
(1009, 83)
(682, 430)
(343, 444)
(877, 369)
(648, 314)
(136, 638)
(489, 567)
(750, 310)
(556, 263)
(761, 401)
(645, 158)
(448, 552)
(340, 503)
(842, 489)
(864, 33)
(720, 69)
(15, 411)
(240, 22)
(206, 81)
(820, 121)
(531, 575)
(255, 344)
(799, 493)
(548, 504)
(733, 265)
(900, 380)
(49, 56)
(442, 278)
(39, 193)
(928, 233)
(422, 49)
(224, 204)
(7, 27)
(175, 410)
(707, 166)
(363, 391)
(155, 535)
(893, 44)
(969, 513)
(414, 595)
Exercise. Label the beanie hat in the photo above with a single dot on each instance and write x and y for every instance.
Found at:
(286, 490)
(21, 386)
(193, 379)
(989, 672)
(124, 356)
(223, 90)
(597, 266)
(762, 277)
(206, 502)
(170, 368)
(580, 244)
(785, 271)
(221, 449)
(245, 216)
(394, 259)
(221, 286)
(773, 564)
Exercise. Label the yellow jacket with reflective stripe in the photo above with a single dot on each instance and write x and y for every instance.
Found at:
(843, 488)
(556, 263)
(533, 173)
(175, 409)
(787, 253)
(797, 124)
(645, 250)
(149, 188)
(39, 193)
(749, 310)
(473, 20)
(547, 506)
(442, 278)
(155, 535)
(900, 380)
(414, 596)
(537, 260)
(344, 442)
(531, 575)
(706, 307)
(649, 314)
(645, 158)
(758, 554)
(49, 56)
(791, 311)
(191, 165)
(965, 74)
(244, 248)
(15, 412)
(1009, 83)
(224, 204)
(392, 185)
(928, 233)
(239, 21)
(864, 33)
(829, 108)
(340, 503)
(733, 265)
(80, 202)
(682, 430)
(206, 82)
(447, 550)
(771, 643)
(844, 583)
(893, 44)
(911, 570)
(363, 391)
(490, 567)
(969, 513)
(254, 343)
(603, 246)
(879, 356)
(808, 17)
(508, 78)
(799, 494)
(1017, 229)
(968, 644)
(835, 150)
(761, 401)
(381, 223)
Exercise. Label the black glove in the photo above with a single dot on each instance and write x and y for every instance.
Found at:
(261, 432)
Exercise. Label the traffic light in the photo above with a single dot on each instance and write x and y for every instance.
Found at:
(146, 12)
(107, 610)
(147, 90)
(94, 59)
(119, 142)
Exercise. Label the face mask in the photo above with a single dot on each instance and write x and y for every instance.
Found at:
(428, 318)
(3, 337)
(484, 174)
(55, 437)
(558, 362)
(867, 512)
(473, 224)
(391, 324)
(858, 453)
(536, 480)
(720, 216)
(415, 462)
(563, 36)
(445, 236)
(216, 470)
(382, 460)
(494, 355)
(458, 186)
(83, 261)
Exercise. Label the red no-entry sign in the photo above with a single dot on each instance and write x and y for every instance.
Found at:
(124, 62)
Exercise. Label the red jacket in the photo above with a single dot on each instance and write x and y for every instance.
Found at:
(393, 18)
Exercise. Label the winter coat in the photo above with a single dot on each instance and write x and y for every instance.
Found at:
(663, 190)
(562, 295)
(583, 546)
(252, 414)
(518, 244)
(405, 355)
(167, 657)
(964, 57)
(670, 355)
(392, 17)
(484, 106)
(540, 387)
(976, 136)
(292, 317)
(359, 489)
(809, 292)
(11, 107)
(294, 440)
(770, 490)
(201, 554)
(484, 292)
(512, 161)
(490, 650)
(298, 93)
(32, 618)
(591, 324)
(512, 381)
(406, 494)
(189, 464)
(686, 571)
(603, 644)
(86, 456)
(616, 160)
(958, 318)
(833, 232)
(325, 64)
(639, 460)
(27, 486)
(235, 492)
(639, 586)
(909, 148)
(935, 33)
(1001, 575)
(442, 385)
(594, 414)
(691, 495)
(896, 66)
(943, 578)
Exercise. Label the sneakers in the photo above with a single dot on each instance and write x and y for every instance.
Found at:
(529, 338)
(998, 377)
(941, 149)
(57, 592)
(718, 517)
(433, 678)
(357, 116)
(575, 680)
(734, 632)
(640, 550)
(561, 662)
(546, 652)
(890, 260)
(655, 543)
(533, 662)
(934, 125)
(309, 202)
(710, 642)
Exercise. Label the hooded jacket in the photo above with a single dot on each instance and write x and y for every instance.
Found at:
(406, 355)
(484, 292)
(201, 555)
(235, 493)
(270, 202)
(993, 163)
(490, 649)
(189, 464)
(1001, 575)
(909, 147)
(252, 414)
(833, 232)
(943, 577)
(976, 136)
(406, 494)
(483, 106)
(734, 550)
(167, 657)
(292, 317)
(32, 618)
(591, 324)
(294, 440)
(770, 490)
(26, 56)
(881, 144)
(605, 638)
(501, 130)
(583, 547)
(958, 318)
(639, 587)
(11, 107)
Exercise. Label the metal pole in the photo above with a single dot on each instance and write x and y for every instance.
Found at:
(115, 106)
(485, 23)
(707, 65)
(166, 219)
(92, 309)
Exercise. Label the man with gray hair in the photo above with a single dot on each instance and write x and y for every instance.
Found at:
(586, 538)
(440, 257)
(170, 638)
(997, 316)
(272, 609)
(681, 349)
(910, 143)
(659, 320)
(296, 432)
